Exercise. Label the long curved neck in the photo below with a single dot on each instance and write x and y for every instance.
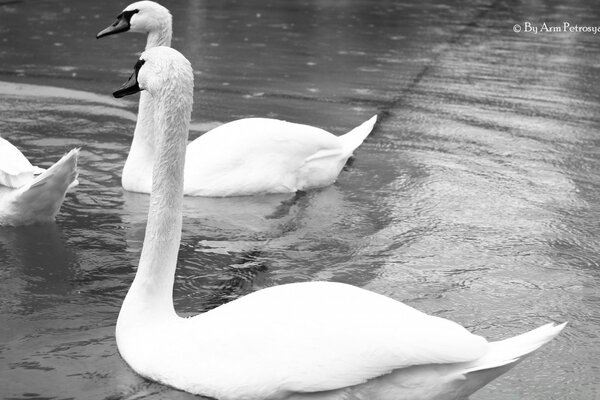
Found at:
(140, 161)
(137, 172)
(151, 293)
(160, 37)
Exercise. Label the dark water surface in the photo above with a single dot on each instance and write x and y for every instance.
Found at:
(477, 198)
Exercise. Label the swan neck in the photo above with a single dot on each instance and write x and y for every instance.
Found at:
(153, 284)
(140, 160)
(144, 126)
(160, 37)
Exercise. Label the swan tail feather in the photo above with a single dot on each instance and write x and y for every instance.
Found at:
(41, 200)
(356, 136)
(502, 356)
(514, 349)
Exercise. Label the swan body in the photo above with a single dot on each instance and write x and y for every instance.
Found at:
(260, 155)
(296, 339)
(243, 157)
(30, 194)
(314, 340)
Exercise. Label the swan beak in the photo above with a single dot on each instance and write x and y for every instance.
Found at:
(120, 25)
(131, 86)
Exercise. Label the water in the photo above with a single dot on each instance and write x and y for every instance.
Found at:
(476, 199)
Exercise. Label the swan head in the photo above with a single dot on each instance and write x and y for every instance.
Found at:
(142, 16)
(158, 69)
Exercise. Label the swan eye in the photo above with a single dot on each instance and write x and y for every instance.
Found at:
(126, 15)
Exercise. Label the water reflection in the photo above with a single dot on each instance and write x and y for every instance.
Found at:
(476, 199)
(39, 268)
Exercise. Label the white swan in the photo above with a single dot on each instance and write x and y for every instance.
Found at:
(243, 157)
(30, 194)
(314, 340)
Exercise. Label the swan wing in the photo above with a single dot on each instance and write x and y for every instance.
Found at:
(256, 155)
(15, 169)
(41, 199)
(319, 336)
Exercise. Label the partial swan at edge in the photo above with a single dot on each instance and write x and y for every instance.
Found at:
(30, 194)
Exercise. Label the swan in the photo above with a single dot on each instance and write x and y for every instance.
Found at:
(30, 194)
(312, 340)
(243, 157)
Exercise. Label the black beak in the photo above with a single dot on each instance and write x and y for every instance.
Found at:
(120, 25)
(131, 86)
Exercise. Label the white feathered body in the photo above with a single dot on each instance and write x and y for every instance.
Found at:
(249, 156)
(290, 340)
(30, 194)
(261, 155)
(15, 168)
(317, 340)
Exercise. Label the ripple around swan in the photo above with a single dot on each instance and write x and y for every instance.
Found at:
(477, 197)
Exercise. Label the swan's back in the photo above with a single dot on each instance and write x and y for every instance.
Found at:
(320, 340)
(303, 337)
(260, 155)
(15, 169)
(39, 199)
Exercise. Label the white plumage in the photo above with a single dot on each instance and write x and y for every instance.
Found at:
(314, 340)
(30, 194)
(260, 155)
(244, 157)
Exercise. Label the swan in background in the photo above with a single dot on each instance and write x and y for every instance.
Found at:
(243, 157)
(314, 340)
(30, 194)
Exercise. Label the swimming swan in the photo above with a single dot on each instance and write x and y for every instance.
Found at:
(243, 157)
(315, 340)
(30, 194)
